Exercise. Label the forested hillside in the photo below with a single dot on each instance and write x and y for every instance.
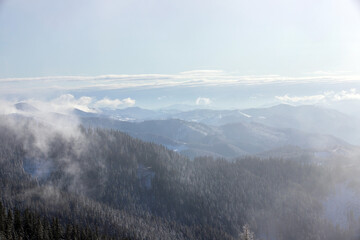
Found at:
(121, 187)
(15, 224)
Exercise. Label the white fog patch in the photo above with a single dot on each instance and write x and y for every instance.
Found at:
(7, 107)
(41, 130)
(43, 124)
(203, 101)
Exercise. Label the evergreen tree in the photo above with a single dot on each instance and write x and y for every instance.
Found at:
(17, 223)
(246, 233)
(56, 230)
(2, 217)
(9, 225)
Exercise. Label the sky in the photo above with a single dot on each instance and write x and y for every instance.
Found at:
(96, 37)
(156, 53)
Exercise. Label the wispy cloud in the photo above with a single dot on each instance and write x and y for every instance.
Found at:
(301, 99)
(329, 96)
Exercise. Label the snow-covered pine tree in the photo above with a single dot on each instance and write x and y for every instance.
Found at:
(246, 233)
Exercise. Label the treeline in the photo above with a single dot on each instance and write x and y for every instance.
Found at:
(132, 189)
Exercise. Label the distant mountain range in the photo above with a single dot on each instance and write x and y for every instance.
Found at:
(307, 118)
(230, 133)
(229, 140)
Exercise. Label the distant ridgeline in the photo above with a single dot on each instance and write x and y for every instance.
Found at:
(107, 183)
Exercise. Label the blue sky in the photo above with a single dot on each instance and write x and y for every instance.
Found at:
(96, 37)
(156, 53)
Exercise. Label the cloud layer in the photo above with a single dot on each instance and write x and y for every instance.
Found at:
(187, 79)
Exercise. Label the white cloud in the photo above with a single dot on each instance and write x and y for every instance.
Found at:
(329, 96)
(129, 102)
(68, 102)
(115, 103)
(347, 95)
(203, 101)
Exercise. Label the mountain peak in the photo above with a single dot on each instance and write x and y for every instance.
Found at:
(25, 107)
